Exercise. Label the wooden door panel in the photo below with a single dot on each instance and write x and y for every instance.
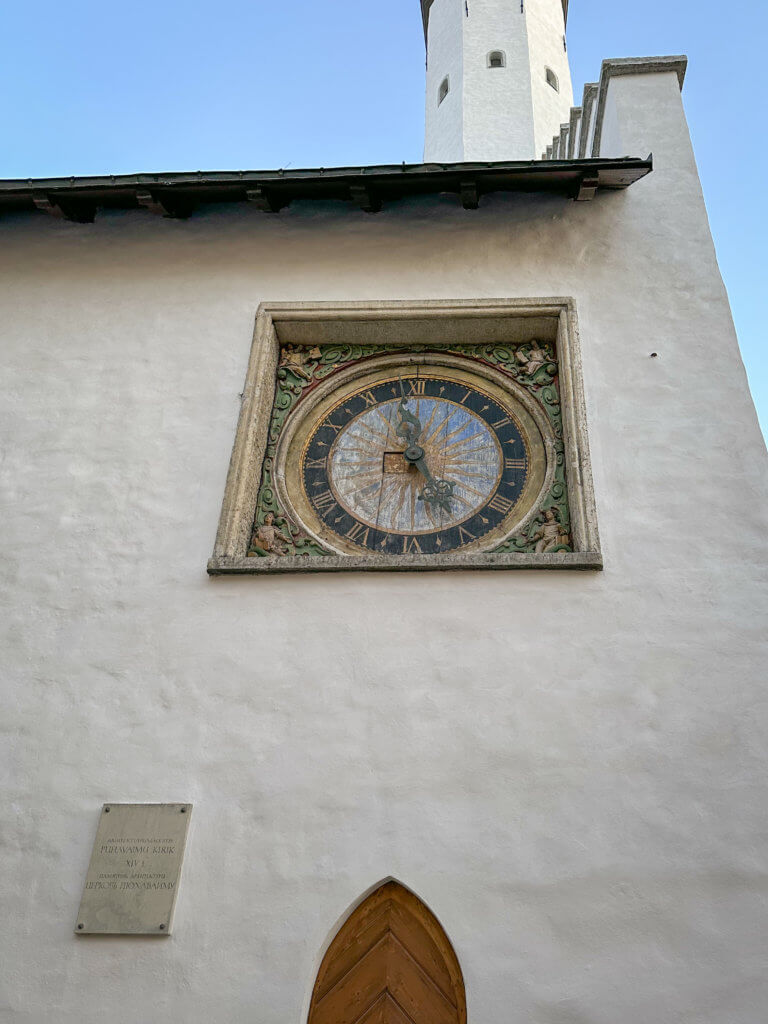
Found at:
(355, 949)
(415, 991)
(386, 1011)
(358, 989)
(421, 946)
(390, 963)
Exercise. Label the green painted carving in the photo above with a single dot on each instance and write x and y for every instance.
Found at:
(532, 365)
(274, 532)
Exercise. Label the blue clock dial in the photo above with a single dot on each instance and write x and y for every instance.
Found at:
(415, 465)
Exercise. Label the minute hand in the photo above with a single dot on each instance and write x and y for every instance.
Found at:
(436, 492)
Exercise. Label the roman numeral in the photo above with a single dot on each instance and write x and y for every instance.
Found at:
(369, 398)
(411, 546)
(500, 504)
(465, 397)
(358, 533)
(324, 502)
(417, 387)
(333, 426)
(465, 536)
(514, 463)
(501, 423)
(314, 464)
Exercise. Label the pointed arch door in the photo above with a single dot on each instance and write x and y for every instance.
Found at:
(390, 963)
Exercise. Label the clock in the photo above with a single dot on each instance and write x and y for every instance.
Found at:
(407, 454)
(410, 435)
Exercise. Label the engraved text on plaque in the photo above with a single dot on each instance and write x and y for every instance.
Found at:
(133, 877)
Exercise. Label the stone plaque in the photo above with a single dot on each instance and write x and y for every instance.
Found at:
(133, 877)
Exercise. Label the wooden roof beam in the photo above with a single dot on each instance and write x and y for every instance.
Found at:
(588, 186)
(264, 200)
(164, 205)
(470, 198)
(79, 213)
(365, 198)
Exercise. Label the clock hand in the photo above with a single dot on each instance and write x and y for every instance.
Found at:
(436, 492)
(409, 426)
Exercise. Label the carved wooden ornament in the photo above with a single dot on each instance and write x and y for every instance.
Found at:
(391, 963)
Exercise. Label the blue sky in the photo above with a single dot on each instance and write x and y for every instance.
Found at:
(91, 88)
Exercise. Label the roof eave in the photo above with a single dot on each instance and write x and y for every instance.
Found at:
(180, 194)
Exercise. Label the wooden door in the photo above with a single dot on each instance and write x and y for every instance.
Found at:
(391, 963)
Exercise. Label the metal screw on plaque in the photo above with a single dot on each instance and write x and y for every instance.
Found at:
(654, 355)
(183, 810)
(80, 927)
(162, 927)
(106, 810)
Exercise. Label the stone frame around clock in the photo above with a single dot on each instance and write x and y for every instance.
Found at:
(401, 324)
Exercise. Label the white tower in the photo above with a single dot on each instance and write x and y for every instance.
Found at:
(498, 80)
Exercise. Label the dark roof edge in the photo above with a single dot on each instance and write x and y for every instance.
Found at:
(177, 194)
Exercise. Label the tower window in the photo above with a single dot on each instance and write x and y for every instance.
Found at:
(497, 59)
(442, 92)
(552, 80)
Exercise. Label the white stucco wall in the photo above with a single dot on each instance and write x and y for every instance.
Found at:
(444, 134)
(498, 113)
(568, 768)
(546, 32)
(508, 113)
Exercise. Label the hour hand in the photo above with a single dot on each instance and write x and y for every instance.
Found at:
(437, 493)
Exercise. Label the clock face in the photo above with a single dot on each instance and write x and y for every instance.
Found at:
(414, 459)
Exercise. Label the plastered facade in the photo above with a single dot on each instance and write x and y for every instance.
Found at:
(567, 768)
(507, 113)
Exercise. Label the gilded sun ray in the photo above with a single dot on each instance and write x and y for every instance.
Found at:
(463, 441)
(455, 431)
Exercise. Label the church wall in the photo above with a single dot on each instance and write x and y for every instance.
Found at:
(640, 109)
(562, 766)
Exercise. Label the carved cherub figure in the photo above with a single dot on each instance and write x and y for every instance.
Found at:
(532, 359)
(267, 538)
(551, 534)
(295, 358)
